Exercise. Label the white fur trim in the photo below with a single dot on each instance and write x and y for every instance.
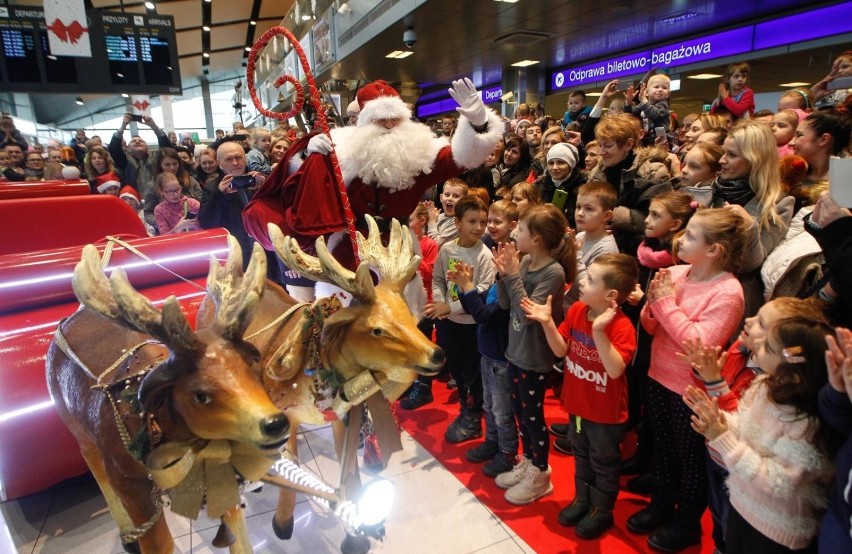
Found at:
(383, 107)
(301, 294)
(102, 188)
(470, 149)
(392, 158)
(294, 164)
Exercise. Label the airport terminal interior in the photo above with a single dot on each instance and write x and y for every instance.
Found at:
(170, 132)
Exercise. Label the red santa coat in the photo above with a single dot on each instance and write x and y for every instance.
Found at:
(305, 204)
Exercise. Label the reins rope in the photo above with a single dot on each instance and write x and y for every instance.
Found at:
(112, 241)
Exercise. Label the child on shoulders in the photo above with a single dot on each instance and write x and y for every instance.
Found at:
(578, 111)
(652, 102)
(734, 96)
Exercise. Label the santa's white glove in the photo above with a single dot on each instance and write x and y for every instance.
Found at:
(470, 103)
(320, 144)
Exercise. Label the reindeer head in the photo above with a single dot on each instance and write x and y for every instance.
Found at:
(211, 379)
(377, 330)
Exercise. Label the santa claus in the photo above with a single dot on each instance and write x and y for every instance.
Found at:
(388, 162)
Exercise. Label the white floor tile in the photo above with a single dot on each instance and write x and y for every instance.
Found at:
(506, 546)
(23, 520)
(433, 512)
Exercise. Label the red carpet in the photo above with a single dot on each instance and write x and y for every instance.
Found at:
(535, 523)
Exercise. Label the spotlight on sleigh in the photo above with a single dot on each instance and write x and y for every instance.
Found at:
(363, 518)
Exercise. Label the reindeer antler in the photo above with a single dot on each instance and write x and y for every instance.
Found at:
(91, 285)
(324, 267)
(236, 294)
(117, 299)
(395, 264)
(169, 325)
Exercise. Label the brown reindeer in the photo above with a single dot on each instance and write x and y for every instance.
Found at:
(198, 389)
(371, 348)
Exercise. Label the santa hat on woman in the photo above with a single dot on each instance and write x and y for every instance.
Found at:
(379, 100)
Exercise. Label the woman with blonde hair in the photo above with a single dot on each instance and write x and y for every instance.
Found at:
(749, 183)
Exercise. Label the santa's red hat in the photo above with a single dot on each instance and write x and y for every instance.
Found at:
(379, 100)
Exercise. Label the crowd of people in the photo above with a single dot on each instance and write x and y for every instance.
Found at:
(178, 187)
(686, 276)
(689, 278)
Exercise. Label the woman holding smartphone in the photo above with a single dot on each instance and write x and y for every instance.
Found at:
(563, 177)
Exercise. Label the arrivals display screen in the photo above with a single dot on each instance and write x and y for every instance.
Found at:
(131, 53)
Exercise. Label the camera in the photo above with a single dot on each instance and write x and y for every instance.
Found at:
(136, 117)
(243, 181)
(409, 37)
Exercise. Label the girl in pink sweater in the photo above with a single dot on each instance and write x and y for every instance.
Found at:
(773, 446)
(703, 300)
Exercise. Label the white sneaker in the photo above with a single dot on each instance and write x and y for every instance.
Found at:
(535, 484)
(511, 478)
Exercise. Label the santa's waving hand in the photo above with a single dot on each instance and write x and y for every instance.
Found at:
(470, 102)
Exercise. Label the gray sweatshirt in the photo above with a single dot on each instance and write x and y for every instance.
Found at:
(477, 256)
(528, 347)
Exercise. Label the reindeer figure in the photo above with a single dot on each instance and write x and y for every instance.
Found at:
(197, 389)
(371, 346)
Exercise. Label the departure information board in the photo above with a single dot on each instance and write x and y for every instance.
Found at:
(131, 53)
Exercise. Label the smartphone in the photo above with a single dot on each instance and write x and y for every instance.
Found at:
(136, 117)
(840, 83)
(839, 175)
(623, 85)
(243, 181)
(560, 198)
(191, 215)
(660, 132)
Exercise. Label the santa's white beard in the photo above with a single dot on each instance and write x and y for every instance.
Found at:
(391, 158)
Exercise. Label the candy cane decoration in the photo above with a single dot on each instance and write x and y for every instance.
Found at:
(297, 107)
